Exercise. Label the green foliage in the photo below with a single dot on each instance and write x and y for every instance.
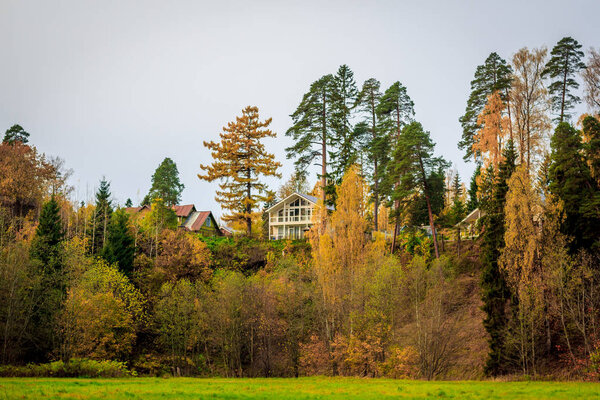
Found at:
(16, 133)
(166, 184)
(417, 172)
(496, 294)
(98, 229)
(564, 64)
(74, 368)
(120, 246)
(473, 202)
(344, 150)
(160, 217)
(493, 75)
(570, 180)
(312, 129)
(48, 237)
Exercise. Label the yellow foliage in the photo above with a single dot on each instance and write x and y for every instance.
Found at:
(239, 159)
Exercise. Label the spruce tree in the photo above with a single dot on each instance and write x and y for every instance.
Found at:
(129, 203)
(49, 294)
(49, 235)
(564, 64)
(120, 244)
(473, 202)
(570, 179)
(494, 75)
(98, 228)
(166, 184)
(312, 131)
(495, 292)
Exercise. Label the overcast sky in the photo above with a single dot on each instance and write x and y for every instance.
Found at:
(114, 87)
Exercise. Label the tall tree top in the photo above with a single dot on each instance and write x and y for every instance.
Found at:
(396, 107)
(493, 76)
(166, 184)
(103, 193)
(16, 133)
(565, 62)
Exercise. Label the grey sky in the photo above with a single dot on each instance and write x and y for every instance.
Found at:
(113, 87)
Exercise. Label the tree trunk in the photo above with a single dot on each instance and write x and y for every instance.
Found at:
(248, 205)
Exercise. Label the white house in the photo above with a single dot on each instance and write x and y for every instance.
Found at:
(291, 217)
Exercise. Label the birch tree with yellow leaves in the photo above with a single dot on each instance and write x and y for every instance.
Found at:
(239, 161)
(519, 262)
(340, 252)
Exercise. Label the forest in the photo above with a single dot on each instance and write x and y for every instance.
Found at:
(385, 283)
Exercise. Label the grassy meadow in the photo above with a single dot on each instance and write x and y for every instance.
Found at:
(288, 388)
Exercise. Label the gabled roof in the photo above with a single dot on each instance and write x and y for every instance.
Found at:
(473, 216)
(184, 211)
(199, 220)
(307, 197)
(135, 210)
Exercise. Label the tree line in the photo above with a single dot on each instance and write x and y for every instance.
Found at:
(385, 283)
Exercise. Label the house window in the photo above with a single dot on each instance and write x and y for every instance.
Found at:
(208, 221)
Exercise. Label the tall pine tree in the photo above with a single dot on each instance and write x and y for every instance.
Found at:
(378, 141)
(312, 131)
(344, 152)
(415, 169)
(564, 64)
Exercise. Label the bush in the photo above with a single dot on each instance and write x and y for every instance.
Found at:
(74, 368)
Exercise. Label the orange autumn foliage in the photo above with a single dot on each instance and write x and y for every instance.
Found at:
(489, 139)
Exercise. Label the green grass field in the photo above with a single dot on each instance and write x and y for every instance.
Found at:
(274, 388)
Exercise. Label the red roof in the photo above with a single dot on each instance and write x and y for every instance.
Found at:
(200, 220)
(183, 211)
(135, 210)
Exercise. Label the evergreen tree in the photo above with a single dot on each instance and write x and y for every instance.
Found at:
(565, 62)
(101, 218)
(166, 184)
(344, 151)
(494, 75)
(395, 109)
(473, 202)
(128, 203)
(591, 132)
(240, 159)
(49, 234)
(312, 131)
(571, 181)
(46, 254)
(378, 142)
(16, 133)
(120, 244)
(495, 290)
(414, 168)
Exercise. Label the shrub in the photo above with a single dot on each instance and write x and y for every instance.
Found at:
(74, 368)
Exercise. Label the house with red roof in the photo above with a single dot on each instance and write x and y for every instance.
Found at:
(188, 218)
